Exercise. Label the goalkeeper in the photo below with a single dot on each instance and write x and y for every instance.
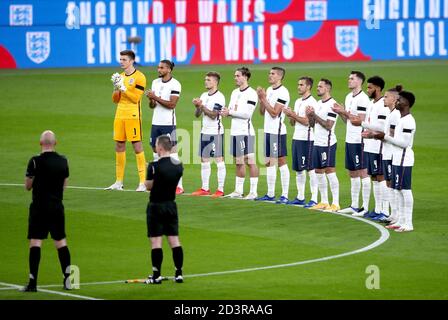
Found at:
(128, 89)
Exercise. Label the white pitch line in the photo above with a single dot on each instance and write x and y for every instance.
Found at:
(383, 238)
(15, 286)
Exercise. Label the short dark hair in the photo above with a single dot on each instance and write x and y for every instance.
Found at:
(360, 75)
(245, 72)
(214, 74)
(309, 81)
(281, 70)
(169, 63)
(128, 53)
(327, 82)
(409, 96)
(377, 81)
(165, 142)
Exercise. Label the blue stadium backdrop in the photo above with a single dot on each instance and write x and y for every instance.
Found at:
(60, 33)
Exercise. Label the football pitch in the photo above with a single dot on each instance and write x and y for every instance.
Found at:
(234, 249)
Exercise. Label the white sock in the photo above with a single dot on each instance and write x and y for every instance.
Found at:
(400, 209)
(155, 156)
(239, 185)
(285, 177)
(323, 187)
(205, 175)
(300, 182)
(394, 205)
(334, 187)
(355, 190)
(377, 195)
(408, 207)
(366, 186)
(271, 177)
(313, 185)
(175, 156)
(386, 197)
(253, 184)
(221, 175)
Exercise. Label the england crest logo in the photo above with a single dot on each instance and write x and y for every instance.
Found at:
(38, 46)
(347, 40)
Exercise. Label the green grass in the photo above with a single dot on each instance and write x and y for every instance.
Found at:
(107, 230)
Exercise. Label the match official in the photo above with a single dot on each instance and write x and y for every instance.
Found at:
(161, 213)
(47, 176)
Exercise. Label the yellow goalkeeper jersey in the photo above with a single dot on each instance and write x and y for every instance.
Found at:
(130, 100)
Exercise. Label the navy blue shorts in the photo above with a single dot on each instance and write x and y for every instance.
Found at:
(211, 145)
(387, 170)
(275, 145)
(242, 145)
(354, 157)
(401, 177)
(324, 157)
(157, 131)
(302, 155)
(374, 163)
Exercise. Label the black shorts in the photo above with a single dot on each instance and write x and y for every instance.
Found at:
(162, 219)
(46, 218)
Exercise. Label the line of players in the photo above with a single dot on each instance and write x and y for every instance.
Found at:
(379, 138)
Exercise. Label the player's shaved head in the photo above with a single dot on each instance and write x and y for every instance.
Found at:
(48, 138)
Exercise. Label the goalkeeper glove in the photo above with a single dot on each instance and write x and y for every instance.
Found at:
(117, 81)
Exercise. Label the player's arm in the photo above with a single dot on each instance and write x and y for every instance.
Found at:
(212, 114)
(198, 107)
(327, 124)
(404, 140)
(134, 94)
(244, 114)
(294, 117)
(340, 110)
(377, 125)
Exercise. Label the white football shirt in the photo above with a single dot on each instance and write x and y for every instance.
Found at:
(403, 140)
(163, 116)
(276, 125)
(241, 107)
(376, 118)
(390, 124)
(215, 101)
(356, 105)
(322, 136)
(302, 132)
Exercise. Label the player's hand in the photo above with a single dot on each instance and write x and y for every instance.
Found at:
(261, 92)
(367, 134)
(224, 112)
(309, 111)
(197, 102)
(287, 111)
(337, 108)
(150, 94)
(378, 135)
(355, 120)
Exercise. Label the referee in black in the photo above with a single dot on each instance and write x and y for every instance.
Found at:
(161, 213)
(47, 176)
